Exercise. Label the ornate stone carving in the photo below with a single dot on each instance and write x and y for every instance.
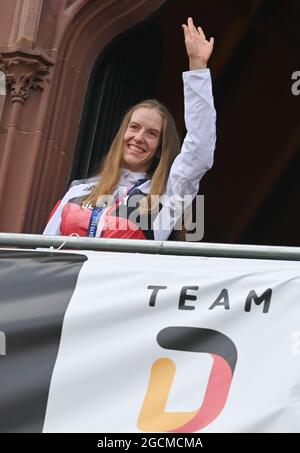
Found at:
(23, 72)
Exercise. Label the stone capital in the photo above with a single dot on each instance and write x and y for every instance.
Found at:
(23, 72)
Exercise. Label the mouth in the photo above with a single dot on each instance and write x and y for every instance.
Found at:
(136, 149)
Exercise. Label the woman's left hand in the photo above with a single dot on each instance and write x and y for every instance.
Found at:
(198, 48)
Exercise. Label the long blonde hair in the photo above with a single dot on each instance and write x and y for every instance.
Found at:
(168, 149)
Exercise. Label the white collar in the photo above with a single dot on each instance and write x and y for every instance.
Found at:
(129, 177)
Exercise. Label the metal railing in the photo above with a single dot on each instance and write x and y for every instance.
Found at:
(31, 241)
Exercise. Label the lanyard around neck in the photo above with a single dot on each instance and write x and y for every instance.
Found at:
(97, 212)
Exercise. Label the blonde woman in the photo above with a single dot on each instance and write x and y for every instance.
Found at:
(145, 175)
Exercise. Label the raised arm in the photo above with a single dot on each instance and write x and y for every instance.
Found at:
(196, 156)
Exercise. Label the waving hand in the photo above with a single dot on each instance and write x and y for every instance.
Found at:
(198, 48)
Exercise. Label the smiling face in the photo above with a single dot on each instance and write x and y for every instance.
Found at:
(141, 139)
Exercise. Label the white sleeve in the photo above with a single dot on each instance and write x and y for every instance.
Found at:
(196, 156)
(53, 226)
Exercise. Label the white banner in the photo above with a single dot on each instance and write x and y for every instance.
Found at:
(178, 344)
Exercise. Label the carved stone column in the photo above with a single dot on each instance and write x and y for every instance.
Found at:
(26, 62)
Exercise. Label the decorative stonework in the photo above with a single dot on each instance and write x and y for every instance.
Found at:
(23, 72)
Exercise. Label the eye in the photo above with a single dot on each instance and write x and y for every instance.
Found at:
(133, 127)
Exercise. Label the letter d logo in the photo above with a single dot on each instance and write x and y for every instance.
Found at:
(153, 416)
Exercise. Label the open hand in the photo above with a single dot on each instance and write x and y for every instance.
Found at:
(198, 48)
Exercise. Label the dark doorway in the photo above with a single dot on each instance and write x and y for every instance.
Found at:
(126, 73)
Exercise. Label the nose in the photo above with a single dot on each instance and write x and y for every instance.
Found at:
(139, 136)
